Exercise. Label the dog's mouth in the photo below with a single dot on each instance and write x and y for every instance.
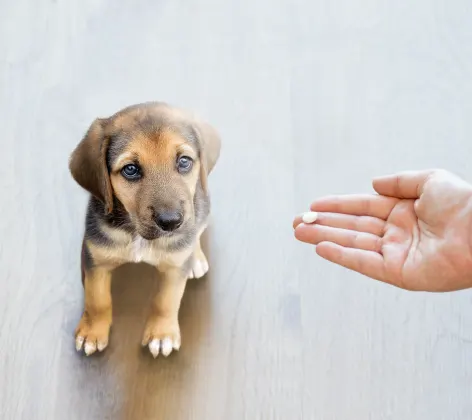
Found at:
(151, 233)
(149, 236)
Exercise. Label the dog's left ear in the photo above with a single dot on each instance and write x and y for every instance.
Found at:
(210, 145)
(88, 164)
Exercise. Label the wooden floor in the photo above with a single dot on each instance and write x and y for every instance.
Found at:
(311, 97)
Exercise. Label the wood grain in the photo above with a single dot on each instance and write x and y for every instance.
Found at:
(311, 98)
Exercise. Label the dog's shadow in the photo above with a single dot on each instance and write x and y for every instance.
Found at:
(156, 385)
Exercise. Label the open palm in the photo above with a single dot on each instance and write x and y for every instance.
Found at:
(415, 234)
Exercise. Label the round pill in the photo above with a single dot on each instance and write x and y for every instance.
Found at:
(310, 217)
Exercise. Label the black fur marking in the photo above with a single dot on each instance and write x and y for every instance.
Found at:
(118, 219)
(86, 260)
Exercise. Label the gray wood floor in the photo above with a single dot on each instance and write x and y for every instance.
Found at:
(311, 97)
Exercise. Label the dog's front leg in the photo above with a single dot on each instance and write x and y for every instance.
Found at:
(162, 332)
(94, 327)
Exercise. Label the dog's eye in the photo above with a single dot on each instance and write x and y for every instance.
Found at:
(131, 172)
(184, 164)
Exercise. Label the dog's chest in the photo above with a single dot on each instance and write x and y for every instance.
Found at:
(155, 253)
(136, 249)
(141, 250)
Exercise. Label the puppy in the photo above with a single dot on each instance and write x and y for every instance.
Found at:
(146, 169)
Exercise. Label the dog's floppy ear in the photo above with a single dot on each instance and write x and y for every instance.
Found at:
(88, 164)
(210, 145)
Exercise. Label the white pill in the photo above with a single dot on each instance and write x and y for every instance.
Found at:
(310, 217)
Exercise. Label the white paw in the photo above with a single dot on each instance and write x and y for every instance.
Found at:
(91, 336)
(90, 346)
(164, 346)
(199, 266)
(161, 336)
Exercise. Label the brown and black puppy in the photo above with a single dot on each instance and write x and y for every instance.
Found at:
(146, 168)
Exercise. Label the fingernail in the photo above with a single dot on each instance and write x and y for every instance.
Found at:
(310, 217)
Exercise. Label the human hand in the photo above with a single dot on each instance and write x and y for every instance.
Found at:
(416, 234)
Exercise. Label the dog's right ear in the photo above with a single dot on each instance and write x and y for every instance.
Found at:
(210, 145)
(88, 164)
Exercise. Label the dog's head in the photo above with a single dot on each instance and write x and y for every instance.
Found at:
(151, 158)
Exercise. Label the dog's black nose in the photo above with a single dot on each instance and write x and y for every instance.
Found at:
(170, 220)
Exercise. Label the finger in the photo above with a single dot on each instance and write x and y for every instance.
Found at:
(408, 184)
(297, 221)
(315, 234)
(367, 224)
(368, 263)
(357, 205)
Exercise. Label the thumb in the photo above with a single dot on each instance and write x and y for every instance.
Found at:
(408, 184)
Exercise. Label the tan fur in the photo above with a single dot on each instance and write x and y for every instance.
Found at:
(152, 152)
(163, 319)
(96, 320)
(156, 153)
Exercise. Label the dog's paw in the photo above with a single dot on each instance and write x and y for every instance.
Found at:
(92, 334)
(199, 265)
(161, 336)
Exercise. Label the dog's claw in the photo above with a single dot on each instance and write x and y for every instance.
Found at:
(101, 345)
(177, 344)
(167, 346)
(90, 348)
(164, 346)
(79, 341)
(154, 347)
